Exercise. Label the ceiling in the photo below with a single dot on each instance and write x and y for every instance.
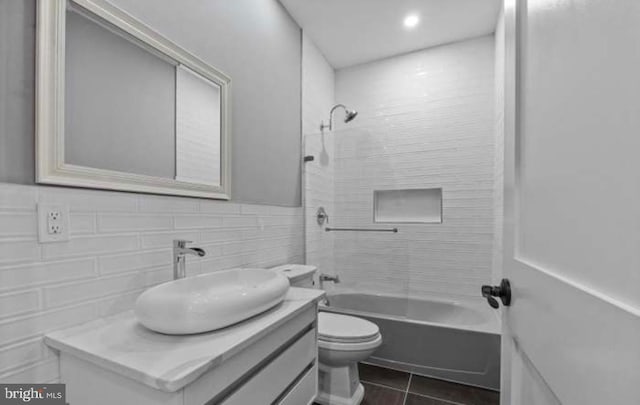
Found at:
(350, 32)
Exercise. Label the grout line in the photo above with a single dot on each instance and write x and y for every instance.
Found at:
(438, 399)
(382, 386)
(406, 392)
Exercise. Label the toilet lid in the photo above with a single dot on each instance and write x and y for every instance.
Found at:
(343, 328)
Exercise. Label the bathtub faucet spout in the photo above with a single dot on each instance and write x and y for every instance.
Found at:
(325, 277)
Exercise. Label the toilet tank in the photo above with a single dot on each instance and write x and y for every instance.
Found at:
(299, 275)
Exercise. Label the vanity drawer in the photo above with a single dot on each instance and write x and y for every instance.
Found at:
(216, 384)
(305, 391)
(274, 379)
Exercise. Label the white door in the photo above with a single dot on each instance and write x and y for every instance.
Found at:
(572, 208)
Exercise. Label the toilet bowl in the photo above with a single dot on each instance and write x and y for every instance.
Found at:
(343, 341)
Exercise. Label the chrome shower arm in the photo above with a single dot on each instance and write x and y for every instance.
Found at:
(333, 109)
(330, 126)
(331, 115)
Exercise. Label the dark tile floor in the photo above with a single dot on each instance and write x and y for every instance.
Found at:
(384, 386)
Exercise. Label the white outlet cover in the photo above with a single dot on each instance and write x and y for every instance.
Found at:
(44, 219)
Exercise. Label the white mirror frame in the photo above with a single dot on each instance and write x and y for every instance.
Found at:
(50, 114)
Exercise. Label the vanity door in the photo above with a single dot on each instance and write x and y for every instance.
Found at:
(279, 368)
(277, 379)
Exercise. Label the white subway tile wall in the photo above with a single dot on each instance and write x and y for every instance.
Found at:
(426, 121)
(120, 245)
(318, 81)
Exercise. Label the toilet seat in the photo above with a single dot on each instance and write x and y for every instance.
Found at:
(352, 346)
(344, 329)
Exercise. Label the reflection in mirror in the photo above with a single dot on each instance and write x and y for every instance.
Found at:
(120, 101)
(138, 112)
(197, 129)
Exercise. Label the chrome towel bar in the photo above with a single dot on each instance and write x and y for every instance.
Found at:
(394, 230)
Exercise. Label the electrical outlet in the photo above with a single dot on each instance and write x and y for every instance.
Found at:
(53, 223)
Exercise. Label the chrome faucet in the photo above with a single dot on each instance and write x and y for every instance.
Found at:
(180, 250)
(325, 277)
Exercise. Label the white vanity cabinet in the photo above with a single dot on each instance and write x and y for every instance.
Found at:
(270, 359)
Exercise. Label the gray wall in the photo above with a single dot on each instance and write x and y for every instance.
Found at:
(120, 103)
(254, 41)
(17, 57)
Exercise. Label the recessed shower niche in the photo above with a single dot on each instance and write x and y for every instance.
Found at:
(419, 206)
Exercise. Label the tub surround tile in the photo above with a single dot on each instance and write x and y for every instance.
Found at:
(384, 376)
(318, 96)
(164, 362)
(427, 123)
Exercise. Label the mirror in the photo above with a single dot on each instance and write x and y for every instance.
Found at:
(120, 107)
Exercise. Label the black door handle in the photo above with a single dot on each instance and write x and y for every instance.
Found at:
(503, 291)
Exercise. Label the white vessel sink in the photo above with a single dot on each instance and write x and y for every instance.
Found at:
(210, 301)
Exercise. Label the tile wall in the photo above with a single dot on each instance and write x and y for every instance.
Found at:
(426, 121)
(317, 99)
(120, 245)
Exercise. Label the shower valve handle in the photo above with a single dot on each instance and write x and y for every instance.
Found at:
(322, 216)
(503, 291)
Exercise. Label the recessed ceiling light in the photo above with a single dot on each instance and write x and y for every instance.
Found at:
(411, 20)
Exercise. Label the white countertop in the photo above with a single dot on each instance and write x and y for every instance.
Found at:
(169, 363)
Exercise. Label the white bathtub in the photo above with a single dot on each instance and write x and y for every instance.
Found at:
(451, 340)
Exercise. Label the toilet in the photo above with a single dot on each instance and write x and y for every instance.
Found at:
(343, 341)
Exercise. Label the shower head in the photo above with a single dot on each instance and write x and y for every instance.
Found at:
(349, 115)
